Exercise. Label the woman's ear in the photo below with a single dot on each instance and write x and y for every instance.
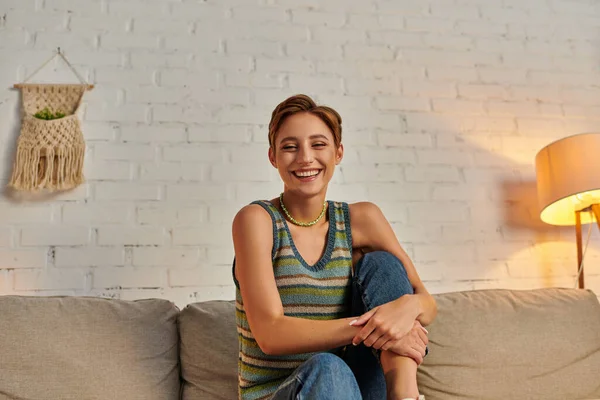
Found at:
(272, 157)
(339, 154)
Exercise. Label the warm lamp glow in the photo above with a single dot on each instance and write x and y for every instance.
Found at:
(568, 178)
(562, 211)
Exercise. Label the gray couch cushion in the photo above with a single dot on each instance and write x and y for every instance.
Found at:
(501, 344)
(87, 348)
(209, 351)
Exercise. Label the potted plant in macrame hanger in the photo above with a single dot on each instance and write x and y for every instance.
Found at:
(51, 147)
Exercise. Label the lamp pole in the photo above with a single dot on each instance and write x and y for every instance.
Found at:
(595, 210)
(579, 247)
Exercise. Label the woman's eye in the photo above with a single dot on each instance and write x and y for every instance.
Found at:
(319, 144)
(289, 147)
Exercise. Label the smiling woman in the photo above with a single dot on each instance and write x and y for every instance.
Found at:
(335, 276)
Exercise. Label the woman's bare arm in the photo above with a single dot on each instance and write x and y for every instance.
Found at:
(274, 332)
(372, 232)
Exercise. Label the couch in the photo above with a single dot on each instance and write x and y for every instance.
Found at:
(486, 344)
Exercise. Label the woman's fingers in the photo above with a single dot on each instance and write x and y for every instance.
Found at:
(422, 336)
(420, 348)
(380, 343)
(415, 355)
(374, 336)
(387, 345)
(363, 319)
(364, 333)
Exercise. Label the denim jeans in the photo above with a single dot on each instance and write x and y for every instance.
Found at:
(379, 278)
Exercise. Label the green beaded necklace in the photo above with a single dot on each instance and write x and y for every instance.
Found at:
(292, 220)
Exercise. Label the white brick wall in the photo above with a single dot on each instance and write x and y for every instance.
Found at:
(445, 103)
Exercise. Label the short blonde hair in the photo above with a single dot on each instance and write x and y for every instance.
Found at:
(302, 103)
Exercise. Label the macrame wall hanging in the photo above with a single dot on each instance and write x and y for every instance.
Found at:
(50, 148)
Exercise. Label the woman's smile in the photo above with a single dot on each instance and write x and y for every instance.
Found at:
(307, 175)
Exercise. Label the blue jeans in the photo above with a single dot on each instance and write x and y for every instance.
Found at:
(379, 278)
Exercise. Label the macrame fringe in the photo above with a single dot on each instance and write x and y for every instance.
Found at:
(48, 168)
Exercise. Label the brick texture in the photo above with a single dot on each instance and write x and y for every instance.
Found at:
(445, 104)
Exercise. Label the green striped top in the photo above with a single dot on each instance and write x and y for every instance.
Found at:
(321, 291)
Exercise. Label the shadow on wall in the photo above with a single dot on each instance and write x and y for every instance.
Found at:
(522, 213)
(10, 150)
(520, 206)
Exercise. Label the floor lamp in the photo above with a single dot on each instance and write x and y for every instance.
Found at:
(568, 185)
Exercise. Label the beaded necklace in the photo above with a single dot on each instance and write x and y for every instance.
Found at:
(294, 221)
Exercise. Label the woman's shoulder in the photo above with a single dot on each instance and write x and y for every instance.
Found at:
(364, 214)
(363, 209)
(251, 215)
(367, 221)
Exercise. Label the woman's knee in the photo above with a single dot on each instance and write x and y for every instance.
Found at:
(383, 268)
(382, 261)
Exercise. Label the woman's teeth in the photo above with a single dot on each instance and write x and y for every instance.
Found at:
(306, 174)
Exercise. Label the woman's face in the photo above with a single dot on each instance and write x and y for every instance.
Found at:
(305, 154)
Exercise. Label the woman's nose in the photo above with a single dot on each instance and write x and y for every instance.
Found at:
(305, 156)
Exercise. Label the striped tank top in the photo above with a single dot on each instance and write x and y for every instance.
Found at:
(321, 291)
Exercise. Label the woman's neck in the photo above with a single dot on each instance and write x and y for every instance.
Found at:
(303, 209)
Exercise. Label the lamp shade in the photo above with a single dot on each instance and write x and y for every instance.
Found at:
(568, 178)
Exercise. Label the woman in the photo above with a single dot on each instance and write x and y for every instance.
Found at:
(329, 306)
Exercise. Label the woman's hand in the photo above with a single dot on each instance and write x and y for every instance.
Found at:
(411, 345)
(387, 323)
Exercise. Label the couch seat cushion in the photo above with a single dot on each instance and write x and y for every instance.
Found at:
(88, 348)
(501, 344)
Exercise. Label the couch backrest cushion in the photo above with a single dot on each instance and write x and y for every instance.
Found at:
(88, 348)
(208, 351)
(500, 344)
